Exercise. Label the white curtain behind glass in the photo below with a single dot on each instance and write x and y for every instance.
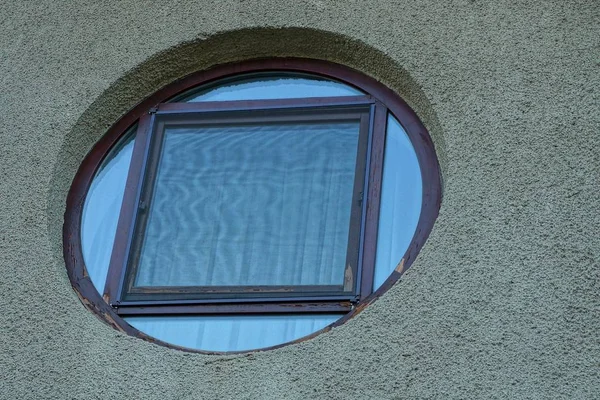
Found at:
(251, 205)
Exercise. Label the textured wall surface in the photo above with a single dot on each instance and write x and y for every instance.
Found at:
(503, 301)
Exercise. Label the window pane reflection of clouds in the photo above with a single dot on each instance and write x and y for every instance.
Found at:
(401, 196)
(231, 333)
(274, 88)
(101, 211)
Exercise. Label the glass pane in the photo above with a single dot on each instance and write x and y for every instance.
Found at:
(101, 210)
(272, 87)
(248, 205)
(231, 333)
(401, 196)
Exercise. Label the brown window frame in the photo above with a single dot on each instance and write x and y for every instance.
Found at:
(127, 299)
(382, 100)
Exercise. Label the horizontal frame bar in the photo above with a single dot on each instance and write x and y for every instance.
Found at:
(237, 289)
(244, 300)
(214, 309)
(259, 117)
(270, 104)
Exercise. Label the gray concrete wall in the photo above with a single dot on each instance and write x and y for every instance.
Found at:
(501, 303)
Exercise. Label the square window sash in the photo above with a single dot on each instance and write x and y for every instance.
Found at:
(244, 202)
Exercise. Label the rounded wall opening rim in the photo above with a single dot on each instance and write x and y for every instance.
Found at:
(414, 128)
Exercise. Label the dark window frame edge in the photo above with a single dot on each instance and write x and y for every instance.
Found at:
(139, 186)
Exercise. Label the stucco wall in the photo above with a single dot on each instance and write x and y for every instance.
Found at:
(503, 301)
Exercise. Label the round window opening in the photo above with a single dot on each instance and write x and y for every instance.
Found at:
(251, 205)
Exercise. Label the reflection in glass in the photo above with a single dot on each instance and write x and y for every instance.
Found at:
(248, 205)
(401, 195)
(101, 210)
(273, 87)
(231, 333)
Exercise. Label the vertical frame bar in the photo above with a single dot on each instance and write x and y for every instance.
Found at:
(143, 205)
(352, 272)
(128, 211)
(373, 197)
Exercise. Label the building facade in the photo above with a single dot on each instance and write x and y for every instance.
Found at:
(501, 302)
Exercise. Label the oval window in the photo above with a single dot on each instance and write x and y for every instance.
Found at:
(252, 205)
